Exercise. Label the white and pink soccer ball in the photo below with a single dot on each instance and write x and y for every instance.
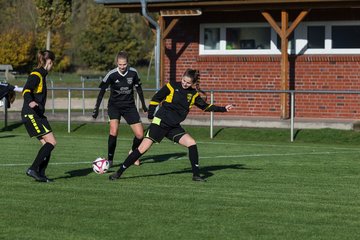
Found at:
(100, 165)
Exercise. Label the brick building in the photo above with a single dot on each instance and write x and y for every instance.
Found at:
(264, 45)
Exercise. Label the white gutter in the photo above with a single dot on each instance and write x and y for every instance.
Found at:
(158, 43)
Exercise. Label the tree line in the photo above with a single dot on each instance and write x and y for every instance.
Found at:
(82, 34)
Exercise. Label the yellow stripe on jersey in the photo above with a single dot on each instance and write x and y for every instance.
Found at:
(39, 88)
(25, 91)
(193, 99)
(154, 103)
(46, 130)
(169, 97)
(208, 107)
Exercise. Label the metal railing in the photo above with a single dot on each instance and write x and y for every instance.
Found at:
(212, 100)
(292, 102)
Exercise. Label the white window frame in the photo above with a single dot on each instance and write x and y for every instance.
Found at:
(300, 36)
(223, 51)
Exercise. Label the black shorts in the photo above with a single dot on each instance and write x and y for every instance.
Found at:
(36, 126)
(158, 130)
(129, 113)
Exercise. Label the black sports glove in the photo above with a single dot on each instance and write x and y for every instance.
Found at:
(95, 112)
(145, 109)
(151, 111)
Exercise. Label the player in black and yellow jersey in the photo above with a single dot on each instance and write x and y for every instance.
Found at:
(36, 124)
(122, 81)
(176, 99)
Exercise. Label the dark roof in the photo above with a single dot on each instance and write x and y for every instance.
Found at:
(155, 5)
(137, 1)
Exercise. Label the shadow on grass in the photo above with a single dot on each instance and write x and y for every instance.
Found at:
(8, 136)
(82, 172)
(296, 133)
(11, 127)
(206, 171)
(162, 157)
(78, 127)
(217, 132)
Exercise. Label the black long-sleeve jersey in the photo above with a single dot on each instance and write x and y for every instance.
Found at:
(5, 88)
(35, 90)
(121, 87)
(176, 103)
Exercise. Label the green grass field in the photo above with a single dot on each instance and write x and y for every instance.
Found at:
(259, 186)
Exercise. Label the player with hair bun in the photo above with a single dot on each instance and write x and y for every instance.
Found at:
(176, 99)
(122, 81)
(32, 113)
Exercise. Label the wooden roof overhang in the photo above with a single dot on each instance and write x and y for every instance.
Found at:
(229, 5)
(262, 6)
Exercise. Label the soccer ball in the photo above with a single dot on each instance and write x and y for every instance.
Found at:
(100, 165)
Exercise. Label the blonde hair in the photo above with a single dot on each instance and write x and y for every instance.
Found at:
(42, 56)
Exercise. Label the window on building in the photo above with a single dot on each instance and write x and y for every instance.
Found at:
(316, 37)
(345, 36)
(332, 37)
(212, 38)
(244, 38)
(248, 38)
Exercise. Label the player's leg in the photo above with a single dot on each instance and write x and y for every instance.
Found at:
(112, 140)
(187, 141)
(133, 156)
(39, 128)
(48, 141)
(154, 134)
(138, 131)
(132, 117)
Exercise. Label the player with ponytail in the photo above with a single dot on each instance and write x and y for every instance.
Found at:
(176, 99)
(36, 123)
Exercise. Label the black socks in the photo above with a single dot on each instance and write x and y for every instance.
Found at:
(44, 165)
(136, 143)
(42, 156)
(111, 147)
(135, 155)
(194, 159)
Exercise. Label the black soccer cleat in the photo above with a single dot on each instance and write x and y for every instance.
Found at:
(114, 176)
(197, 178)
(42, 174)
(47, 179)
(34, 174)
(110, 163)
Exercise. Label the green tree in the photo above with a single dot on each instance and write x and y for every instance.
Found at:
(106, 33)
(52, 15)
(17, 48)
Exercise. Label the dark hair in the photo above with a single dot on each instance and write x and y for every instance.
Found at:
(42, 56)
(194, 75)
(123, 55)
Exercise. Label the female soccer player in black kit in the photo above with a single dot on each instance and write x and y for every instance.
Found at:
(36, 124)
(177, 98)
(121, 102)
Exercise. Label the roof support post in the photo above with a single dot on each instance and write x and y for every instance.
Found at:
(284, 32)
(284, 84)
(165, 32)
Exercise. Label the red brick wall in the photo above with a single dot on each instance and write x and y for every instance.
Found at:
(263, 73)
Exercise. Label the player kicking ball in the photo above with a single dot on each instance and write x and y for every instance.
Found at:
(176, 99)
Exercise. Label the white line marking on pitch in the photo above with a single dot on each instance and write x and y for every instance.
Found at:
(229, 156)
